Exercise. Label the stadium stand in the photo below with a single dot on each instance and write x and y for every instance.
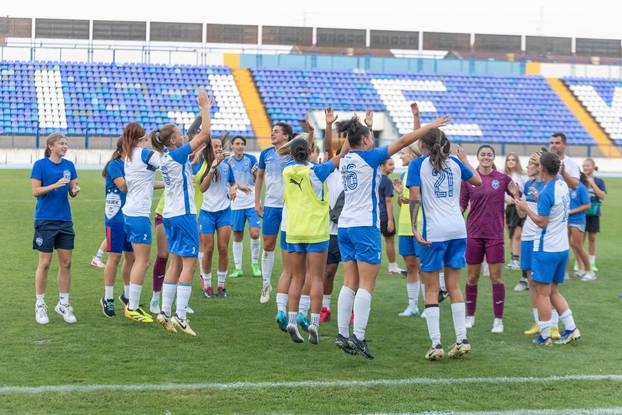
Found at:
(521, 109)
(99, 99)
(602, 98)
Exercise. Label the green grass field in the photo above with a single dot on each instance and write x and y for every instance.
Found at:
(239, 342)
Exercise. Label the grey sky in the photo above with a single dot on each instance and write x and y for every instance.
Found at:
(596, 18)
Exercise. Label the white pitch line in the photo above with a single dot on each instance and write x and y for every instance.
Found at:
(72, 388)
(552, 411)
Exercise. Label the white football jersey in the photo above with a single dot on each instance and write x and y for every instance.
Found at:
(530, 229)
(273, 166)
(554, 202)
(139, 176)
(335, 187)
(440, 197)
(178, 189)
(243, 172)
(361, 178)
(216, 197)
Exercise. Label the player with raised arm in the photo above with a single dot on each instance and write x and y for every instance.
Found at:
(434, 183)
(359, 233)
(179, 216)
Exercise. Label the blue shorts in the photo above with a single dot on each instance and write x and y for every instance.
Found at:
(408, 246)
(210, 221)
(443, 254)
(308, 247)
(526, 255)
(138, 229)
(284, 246)
(549, 267)
(272, 220)
(117, 240)
(360, 243)
(240, 216)
(182, 235)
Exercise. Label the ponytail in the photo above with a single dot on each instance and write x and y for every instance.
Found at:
(439, 146)
(132, 134)
(299, 150)
(116, 154)
(162, 137)
(353, 130)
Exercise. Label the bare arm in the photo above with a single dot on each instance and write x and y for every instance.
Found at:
(475, 180)
(599, 193)
(205, 104)
(414, 204)
(572, 182)
(38, 190)
(540, 221)
(328, 134)
(258, 187)
(409, 138)
(579, 209)
(389, 203)
(121, 184)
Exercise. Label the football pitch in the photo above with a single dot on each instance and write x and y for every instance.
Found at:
(242, 363)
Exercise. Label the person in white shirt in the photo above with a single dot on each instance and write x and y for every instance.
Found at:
(570, 170)
(140, 167)
(434, 181)
(270, 169)
(219, 189)
(358, 228)
(179, 216)
(244, 167)
(550, 247)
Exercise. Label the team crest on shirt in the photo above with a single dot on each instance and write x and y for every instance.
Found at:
(495, 184)
(67, 174)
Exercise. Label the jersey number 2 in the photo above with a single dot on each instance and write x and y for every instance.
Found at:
(441, 176)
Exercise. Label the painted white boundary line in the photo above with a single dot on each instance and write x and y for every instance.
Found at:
(554, 411)
(142, 387)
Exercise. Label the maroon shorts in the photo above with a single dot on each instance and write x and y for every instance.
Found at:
(477, 248)
(157, 220)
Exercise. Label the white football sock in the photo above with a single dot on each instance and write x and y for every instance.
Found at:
(168, 295)
(305, 304)
(326, 299)
(155, 296)
(535, 314)
(134, 298)
(545, 329)
(362, 307)
(108, 292)
(183, 296)
(458, 313)
(345, 301)
(222, 277)
(315, 319)
(126, 290)
(432, 318)
(40, 299)
(267, 262)
(255, 250)
(568, 320)
(99, 255)
(281, 302)
(291, 318)
(412, 289)
(238, 251)
(63, 298)
(554, 318)
(208, 279)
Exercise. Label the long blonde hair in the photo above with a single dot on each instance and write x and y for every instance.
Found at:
(518, 168)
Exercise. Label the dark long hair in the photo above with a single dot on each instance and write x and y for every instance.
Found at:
(132, 133)
(299, 150)
(550, 162)
(116, 154)
(439, 146)
(161, 137)
(209, 156)
(287, 129)
(354, 130)
(484, 146)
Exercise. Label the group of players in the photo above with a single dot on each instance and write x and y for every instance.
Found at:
(326, 207)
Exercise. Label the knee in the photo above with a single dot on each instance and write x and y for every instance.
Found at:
(64, 263)
(44, 265)
(222, 248)
(473, 279)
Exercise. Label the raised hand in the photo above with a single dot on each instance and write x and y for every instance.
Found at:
(461, 153)
(330, 115)
(513, 189)
(398, 186)
(415, 109)
(61, 182)
(217, 160)
(309, 126)
(440, 121)
(534, 192)
(369, 118)
(204, 100)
